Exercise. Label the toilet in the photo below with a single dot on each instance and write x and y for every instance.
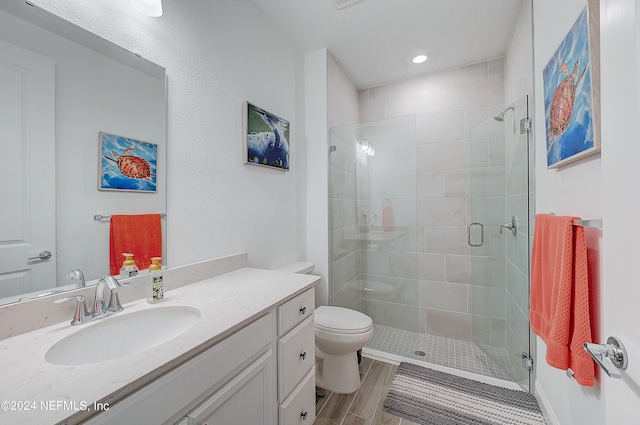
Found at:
(340, 334)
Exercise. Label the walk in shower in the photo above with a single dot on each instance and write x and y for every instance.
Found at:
(433, 242)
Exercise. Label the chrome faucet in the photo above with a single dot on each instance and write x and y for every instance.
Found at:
(100, 309)
(77, 276)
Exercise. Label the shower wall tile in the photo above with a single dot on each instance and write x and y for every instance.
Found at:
(431, 184)
(431, 267)
(401, 185)
(481, 330)
(389, 289)
(498, 332)
(490, 211)
(445, 323)
(457, 75)
(374, 262)
(442, 212)
(443, 296)
(457, 183)
(487, 182)
(487, 301)
(440, 128)
(398, 88)
(479, 152)
(405, 243)
(391, 314)
(474, 94)
(477, 115)
(443, 156)
(343, 213)
(389, 133)
(458, 269)
(344, 271)
(402, 264)
(488, 271)
(343, 184)
(396, 160)
(446, 240)
(496, 66)
(425, 102)
(372, 110)
(496, 151)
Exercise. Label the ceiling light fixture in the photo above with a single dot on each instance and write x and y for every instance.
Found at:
(420, 59)
(151, 8)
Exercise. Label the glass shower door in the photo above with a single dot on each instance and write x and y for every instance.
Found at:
(498, 233)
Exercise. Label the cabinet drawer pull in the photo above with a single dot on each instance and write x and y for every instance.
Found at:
(303, 355)
(304, 415)
(303, 310)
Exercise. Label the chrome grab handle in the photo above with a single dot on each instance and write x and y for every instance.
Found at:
(513, 226)
(481, 234)
(44, 255)
(609, 355)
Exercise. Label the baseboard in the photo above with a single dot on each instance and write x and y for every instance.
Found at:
(545, 407)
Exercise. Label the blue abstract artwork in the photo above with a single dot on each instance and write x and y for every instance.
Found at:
(127, 164)
(266, 138)
(568, 98)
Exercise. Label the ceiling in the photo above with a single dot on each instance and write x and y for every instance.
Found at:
(375, 40)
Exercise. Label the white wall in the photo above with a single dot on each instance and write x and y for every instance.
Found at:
(575, 189)
(214, 54)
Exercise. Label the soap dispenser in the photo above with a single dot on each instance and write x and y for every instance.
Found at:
(129, 268)
(155, 285)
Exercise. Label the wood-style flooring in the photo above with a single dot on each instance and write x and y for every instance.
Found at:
(364, 407)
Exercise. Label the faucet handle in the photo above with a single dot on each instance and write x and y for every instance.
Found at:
(81, 313)
(114, 305)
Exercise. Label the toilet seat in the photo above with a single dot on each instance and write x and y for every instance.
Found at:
(341, 320)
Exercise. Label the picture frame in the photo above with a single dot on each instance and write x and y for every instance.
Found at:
(266, 140)
(572, 94)
(126, 164)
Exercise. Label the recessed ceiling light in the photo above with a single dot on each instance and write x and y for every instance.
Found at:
(420, 59)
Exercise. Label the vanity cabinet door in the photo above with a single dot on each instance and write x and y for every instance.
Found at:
(246, 399)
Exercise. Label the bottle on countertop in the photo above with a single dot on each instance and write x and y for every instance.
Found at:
(129, 268)
(387, 214)
(155, 285)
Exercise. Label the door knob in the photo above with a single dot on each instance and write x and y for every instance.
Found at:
(44, 255)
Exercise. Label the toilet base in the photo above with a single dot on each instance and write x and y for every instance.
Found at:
(337, 373)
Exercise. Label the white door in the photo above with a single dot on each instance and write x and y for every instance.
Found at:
(27, 164)
(620, 287)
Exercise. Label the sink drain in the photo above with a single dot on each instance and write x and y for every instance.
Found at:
(419, 353)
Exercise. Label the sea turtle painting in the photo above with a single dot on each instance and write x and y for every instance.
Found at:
(563, 100)
(571, 89)
(131, 166)
(127, 164)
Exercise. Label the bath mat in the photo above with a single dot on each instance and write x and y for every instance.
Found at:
(430, 397)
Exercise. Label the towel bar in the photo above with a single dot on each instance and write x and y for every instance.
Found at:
(588, 223)
(609, 355)
(99, 217)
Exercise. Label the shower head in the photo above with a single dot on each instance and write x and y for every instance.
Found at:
(500, 116)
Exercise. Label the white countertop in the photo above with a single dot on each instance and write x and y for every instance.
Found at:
(45, 393)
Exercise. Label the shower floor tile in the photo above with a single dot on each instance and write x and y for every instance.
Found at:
(462, 355)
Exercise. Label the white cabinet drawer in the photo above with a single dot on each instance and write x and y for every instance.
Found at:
(185, 385)
(296, 356)
(300, 408)
(295, 310)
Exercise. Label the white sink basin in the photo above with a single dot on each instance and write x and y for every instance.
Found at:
(122, 334)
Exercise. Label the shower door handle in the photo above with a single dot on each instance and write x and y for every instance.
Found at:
(481, 234)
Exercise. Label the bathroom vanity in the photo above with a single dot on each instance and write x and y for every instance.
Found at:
(248, 359)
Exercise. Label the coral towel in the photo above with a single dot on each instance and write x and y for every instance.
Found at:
(140, 235)
(559, 310)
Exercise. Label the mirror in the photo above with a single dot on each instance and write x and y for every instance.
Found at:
(86, 85)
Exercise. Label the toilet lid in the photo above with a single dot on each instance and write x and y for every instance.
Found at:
(341, 320)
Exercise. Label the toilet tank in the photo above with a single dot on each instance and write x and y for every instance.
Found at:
(301, 267)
